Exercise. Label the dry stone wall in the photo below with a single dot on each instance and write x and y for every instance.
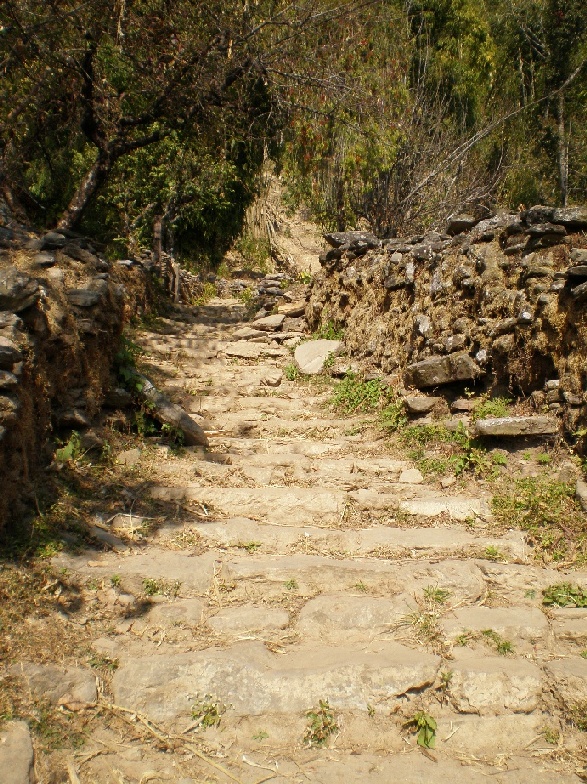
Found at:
(500, 307)
(62, 309)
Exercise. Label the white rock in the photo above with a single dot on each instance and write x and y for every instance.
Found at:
(312, 354)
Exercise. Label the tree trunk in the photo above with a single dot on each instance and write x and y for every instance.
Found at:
(85, 190)
(563, 150)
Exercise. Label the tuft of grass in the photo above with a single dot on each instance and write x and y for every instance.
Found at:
(321, 724)
(291, 585)
(328, 331)
(491, 553)
(291, 372)
(502, 646)
(250, 547)
(548, 510)
(491, 407)
(208, 292)
(353, 395)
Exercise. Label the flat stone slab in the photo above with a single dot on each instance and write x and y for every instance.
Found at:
(336, 618)
(521, 623)
(494, 685)
(242, 349)
(568, 678)
(254, 681)
(411, 476)
(57, 684)
(16, 754)
(184, 611)
(296, 505)
(320, 573)
(442, 370)
(269, 323)
(570, 624)
(458, 507)
(193, 572)
(517, 426)
(248, 333)
(311, 355)
(247, 618)
(420, 405)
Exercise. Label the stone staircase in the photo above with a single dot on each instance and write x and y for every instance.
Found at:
(305, 563)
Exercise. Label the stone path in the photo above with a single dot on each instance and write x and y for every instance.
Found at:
(304, 564)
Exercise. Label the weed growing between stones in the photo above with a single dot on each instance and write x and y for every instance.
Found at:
(168, 588)
(208, 712)
(487, 407)
(328, 331)
(321, 724)
(502, 646)
(422, 723)
(564, 595)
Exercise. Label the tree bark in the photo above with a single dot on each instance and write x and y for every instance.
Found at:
(563, 150)
(85, 190)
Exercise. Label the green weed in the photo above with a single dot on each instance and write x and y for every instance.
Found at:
(491, 407)
(502, 646)
(292, 372)
(352, 395)
(208, 292)
(291, 585)
(208, 712)
(153, 587)
(71, 450)
(328, 331)
(425, 726)
(564, 595)
(321, 724)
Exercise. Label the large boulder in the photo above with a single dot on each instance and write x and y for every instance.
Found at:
(439, 370)
(311, 356)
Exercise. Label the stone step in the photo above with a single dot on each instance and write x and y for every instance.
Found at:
(254, 681)
(280, 446)
(307, 575)
(383, 541)
(293, 505)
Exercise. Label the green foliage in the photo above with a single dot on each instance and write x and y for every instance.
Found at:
(425, 726)
(292, 372)
(535, 502)
(491, 407)
(71, 450)
(564, 595)
(502, 646)
(328, 331)
(352, 395)
(208, 712)
(256, 252)
(208, 292)
(153, 587)
(321, 724)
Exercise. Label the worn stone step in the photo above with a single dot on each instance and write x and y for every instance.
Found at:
(296, 505)
(191, 573)
(255, 682)
(380, 540)
(525, 627)
(308, 575)
(494, 684)
(424, 502)
(279, 446)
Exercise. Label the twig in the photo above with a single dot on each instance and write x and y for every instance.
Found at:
(165, 739)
